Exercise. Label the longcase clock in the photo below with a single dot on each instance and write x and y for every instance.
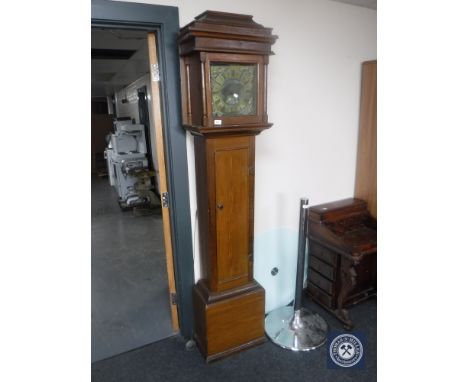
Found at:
(224, 60)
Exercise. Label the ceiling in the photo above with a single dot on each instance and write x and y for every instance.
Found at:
(372, 4)
(118, 58)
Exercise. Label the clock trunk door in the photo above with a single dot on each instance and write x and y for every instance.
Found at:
(232, 161)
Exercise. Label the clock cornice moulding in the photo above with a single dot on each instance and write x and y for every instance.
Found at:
(209, 29)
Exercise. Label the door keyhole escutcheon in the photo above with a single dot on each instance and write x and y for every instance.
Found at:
(220, 206)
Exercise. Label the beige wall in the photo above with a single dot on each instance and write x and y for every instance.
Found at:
(313, 101)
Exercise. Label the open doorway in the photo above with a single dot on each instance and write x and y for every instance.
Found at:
(130, 291)
(162, 22)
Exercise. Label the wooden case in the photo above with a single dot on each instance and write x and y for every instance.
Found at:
(228, 322)
(228, 38)
(225, 193)
(229, 304)
(342, 247)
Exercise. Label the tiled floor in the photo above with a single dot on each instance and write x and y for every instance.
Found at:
(129, 292)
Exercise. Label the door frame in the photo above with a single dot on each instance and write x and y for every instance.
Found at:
(164, 21)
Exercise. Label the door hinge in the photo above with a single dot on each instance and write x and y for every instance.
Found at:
(174, 298)
(165, 199)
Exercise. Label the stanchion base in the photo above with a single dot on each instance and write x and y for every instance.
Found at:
(298, 330)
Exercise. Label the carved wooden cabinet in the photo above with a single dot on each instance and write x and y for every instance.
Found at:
(224, 60)
(342, 246)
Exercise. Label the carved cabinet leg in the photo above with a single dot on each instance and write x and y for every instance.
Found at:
(347, 283)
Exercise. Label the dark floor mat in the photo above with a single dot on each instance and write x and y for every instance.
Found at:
(168, 360)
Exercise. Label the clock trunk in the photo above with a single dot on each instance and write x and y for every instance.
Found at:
(225, 198)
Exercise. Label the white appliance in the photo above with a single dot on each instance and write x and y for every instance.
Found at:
(126, 161)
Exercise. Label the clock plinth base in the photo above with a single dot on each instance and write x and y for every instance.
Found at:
(229, 321)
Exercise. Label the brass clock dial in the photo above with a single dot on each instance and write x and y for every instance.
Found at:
(233, 89)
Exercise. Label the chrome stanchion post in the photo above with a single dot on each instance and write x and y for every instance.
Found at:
(294, 327)
(301, 253)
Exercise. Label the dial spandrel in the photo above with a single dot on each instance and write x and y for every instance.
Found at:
(233, 89)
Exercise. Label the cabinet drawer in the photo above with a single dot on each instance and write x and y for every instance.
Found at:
(320, 281)
(320, 296)
(323, 253)
(323, 268)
